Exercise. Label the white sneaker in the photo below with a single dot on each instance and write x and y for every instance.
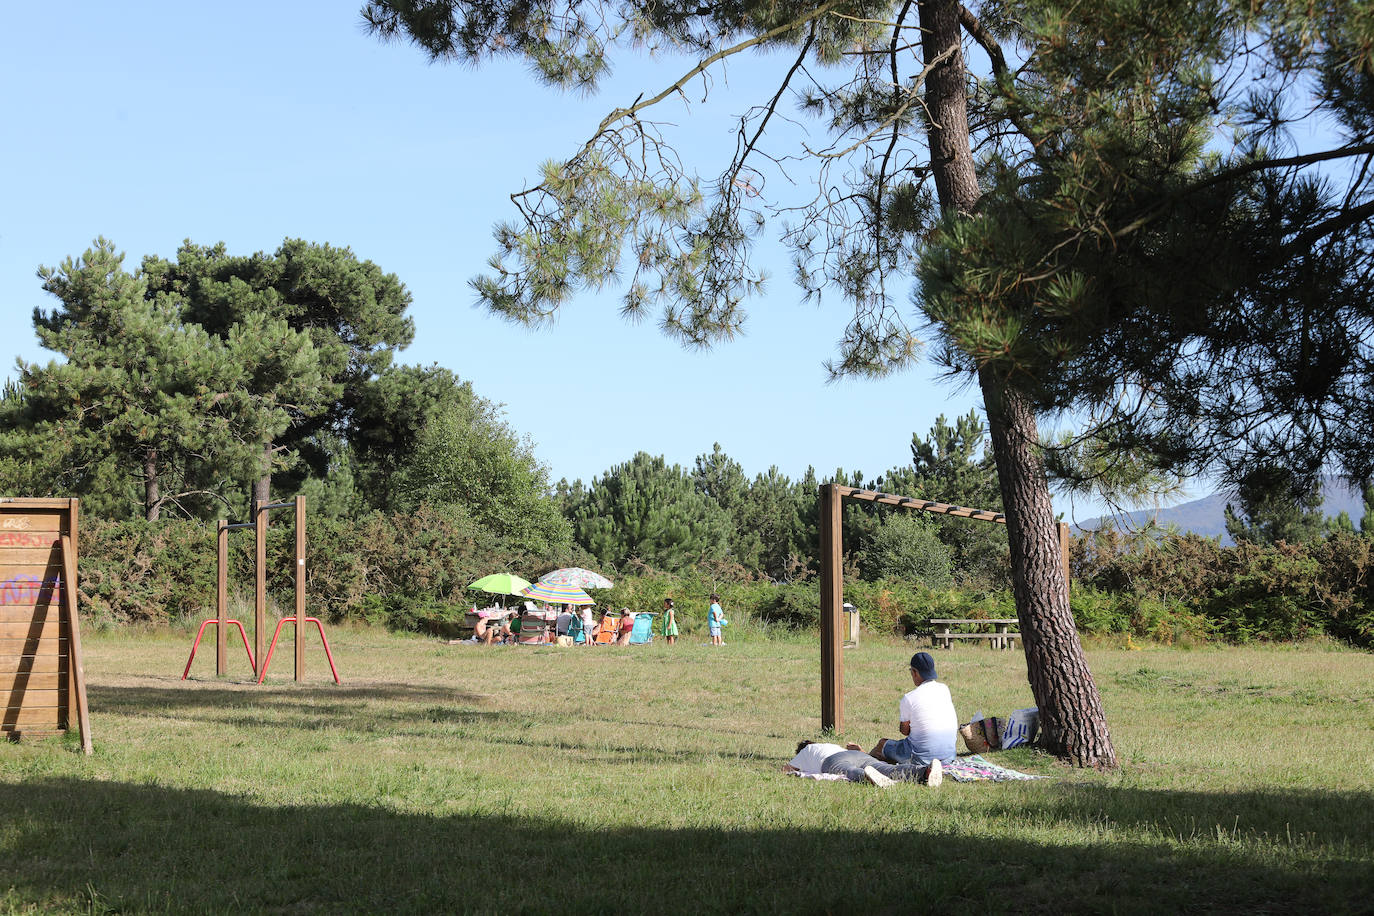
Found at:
(877, 778)
(936, 774)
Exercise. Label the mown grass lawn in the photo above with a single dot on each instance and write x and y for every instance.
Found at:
(459, 779)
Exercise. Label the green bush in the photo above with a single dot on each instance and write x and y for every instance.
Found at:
(410, 571)
(1187, 586)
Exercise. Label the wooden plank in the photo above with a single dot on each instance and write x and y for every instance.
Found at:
(19, 664)
(29, 585)
(832, 601)
(77, 669)
(33, 718)
(28, 556)
(13, 648)
(38, 698)
(259, 579)
(993, 620)
(221, 596)
(29, 614)
(300, 588)
(40, 520)
(48, 627)
(48, 567)
(1064, 553)
(975, 635)
(924, 505)
(31, 503)
(40, 680)
(27, 540)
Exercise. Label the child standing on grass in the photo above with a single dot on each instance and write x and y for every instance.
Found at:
(587, 626)
(716, 620)
(669, 621)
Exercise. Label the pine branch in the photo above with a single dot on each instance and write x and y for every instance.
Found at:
(621, 114)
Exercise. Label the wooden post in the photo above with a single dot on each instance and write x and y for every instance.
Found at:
(832, 599)
(77, 668)
(259, 579)
(1064, 552)
(300, 588)
(221, 594)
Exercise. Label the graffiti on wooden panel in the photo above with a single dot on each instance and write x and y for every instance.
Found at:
(26, 539)
(28, 589)
(16, 523)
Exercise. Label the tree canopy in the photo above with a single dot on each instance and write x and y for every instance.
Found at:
(1103, 218)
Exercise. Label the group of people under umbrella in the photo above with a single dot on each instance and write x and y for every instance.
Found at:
(563, 614)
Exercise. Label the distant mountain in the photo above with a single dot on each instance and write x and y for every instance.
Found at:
(1207, 516)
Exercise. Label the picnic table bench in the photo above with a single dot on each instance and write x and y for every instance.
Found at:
(942, 633)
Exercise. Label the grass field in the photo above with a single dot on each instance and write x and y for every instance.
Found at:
(452, 778)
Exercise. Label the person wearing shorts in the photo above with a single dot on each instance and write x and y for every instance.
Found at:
(713, 620)
(926, 719)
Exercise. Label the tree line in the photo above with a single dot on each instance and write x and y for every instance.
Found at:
(190, 386)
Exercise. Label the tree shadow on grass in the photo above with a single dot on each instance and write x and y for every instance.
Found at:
(394, 709)
(70, 844)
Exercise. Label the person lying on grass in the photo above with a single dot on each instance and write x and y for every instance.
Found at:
(856, 766)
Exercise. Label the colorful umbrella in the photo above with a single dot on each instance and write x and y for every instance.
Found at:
(553, 593)
(501, 584)
(576, 575)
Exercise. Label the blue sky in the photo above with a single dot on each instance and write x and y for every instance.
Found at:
(247, 123)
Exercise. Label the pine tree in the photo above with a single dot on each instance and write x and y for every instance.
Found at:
(951, 465)
(1270, 509)
(650, 511)
(144, 394)
(1126, 247)
(352, 312)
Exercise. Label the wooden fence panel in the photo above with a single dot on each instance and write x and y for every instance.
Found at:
(36, 653)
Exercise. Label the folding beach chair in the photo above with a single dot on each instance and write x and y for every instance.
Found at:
(643, 629)
(534, 630)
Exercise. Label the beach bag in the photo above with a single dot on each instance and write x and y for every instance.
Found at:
(1020, 727)
(973, 736)
(992, 731)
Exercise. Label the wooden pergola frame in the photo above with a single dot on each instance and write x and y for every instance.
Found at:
(832, 496)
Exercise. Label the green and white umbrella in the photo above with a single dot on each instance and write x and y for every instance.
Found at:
(501, 584)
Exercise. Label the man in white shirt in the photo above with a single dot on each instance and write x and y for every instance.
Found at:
(926, 719)
(856, 766)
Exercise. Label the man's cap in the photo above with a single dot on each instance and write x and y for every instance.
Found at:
(924, 665)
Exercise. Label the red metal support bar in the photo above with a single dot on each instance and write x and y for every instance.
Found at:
(324, 639)
(201, 632)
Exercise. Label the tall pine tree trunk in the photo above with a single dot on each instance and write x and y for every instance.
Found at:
(1070, 708)
(262, 487)
(1073, 723)
(152, 491)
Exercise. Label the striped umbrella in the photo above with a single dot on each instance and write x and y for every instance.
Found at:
(576, 575)
(553, 593)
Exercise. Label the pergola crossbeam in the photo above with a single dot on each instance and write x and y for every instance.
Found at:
(923, 505)
(832, 581)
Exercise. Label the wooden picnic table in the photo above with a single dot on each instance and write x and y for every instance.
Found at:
(943, 635)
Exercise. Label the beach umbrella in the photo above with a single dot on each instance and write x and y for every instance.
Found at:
(553, 593)
(576, 575)
(501, 584)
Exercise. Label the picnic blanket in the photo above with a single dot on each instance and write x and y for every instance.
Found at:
(975, 768)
